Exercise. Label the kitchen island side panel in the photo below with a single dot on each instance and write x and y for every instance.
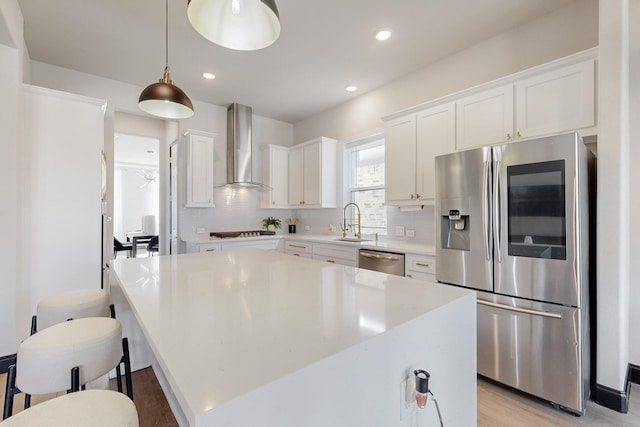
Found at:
(361, 386)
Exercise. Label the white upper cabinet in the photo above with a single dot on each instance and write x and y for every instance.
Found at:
(545, 103)
(436, 131)
(400, 159)
(411, 144)
(275, 174)
(199, 156)
(485, 118)
(556, 101)
(312, 174)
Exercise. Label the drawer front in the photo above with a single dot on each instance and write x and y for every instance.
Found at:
(334, 260)
(210, 247)
(335, 251)
(420, 276)
(270, 244)
(420, 264)
(298, 247)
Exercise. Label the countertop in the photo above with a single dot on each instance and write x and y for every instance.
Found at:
(391, 245)
(222, 324)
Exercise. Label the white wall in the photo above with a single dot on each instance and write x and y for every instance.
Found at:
(132, 200)
(634, 139)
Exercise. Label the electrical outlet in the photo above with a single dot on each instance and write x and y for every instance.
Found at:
(399, 230)
(411, 233)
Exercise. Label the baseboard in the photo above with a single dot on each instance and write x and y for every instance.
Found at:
(6, 361)
(634, 373)
(613, 399)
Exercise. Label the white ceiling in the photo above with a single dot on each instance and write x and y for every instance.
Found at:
(324, 45)
(132, 150)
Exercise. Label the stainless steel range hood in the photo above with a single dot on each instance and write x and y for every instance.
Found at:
(239, 147)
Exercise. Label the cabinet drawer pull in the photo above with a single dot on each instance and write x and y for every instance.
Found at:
(421, 264)
(295, 254)
(410, 276)
(210, 250)
(331, 261)
(291, 245)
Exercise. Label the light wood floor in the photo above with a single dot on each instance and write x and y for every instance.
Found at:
(497, 407)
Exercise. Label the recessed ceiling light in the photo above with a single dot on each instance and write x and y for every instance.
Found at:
(384, 34)
(208, 76)
(351, 88)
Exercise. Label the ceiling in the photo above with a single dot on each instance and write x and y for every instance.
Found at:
(324, 46)
(136, 151)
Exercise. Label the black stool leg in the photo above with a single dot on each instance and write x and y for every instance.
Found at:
(119, 376)
(127, 367)
(10, 391)
(34, 324)
(27, 400)
(75, 379)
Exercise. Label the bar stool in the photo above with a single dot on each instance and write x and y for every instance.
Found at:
(96, 408)
(62, 357)
(80, 304)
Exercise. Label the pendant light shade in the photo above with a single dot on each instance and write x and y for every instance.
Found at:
(164, 99)
(236, 24)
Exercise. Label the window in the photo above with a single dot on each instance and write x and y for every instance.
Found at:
(365, 184)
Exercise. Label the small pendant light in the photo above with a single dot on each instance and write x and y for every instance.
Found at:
(164, 99)
(236, 24)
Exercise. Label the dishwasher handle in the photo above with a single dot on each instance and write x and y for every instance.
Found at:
(379, 256)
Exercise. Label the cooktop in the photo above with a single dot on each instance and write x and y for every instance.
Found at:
(250, 233)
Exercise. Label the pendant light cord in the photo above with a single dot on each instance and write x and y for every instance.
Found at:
(166, 33)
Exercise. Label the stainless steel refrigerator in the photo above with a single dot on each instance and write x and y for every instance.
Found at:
(513, 223)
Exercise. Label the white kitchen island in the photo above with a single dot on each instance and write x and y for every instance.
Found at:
(258, 338)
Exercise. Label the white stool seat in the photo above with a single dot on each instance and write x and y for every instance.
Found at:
(72, 305)
(96, 408)
(45, 359)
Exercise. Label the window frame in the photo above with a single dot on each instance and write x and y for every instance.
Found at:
(350, 149)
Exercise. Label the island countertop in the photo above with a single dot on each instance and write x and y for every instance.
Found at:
(224, 324)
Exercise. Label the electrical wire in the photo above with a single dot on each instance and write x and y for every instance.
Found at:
(437, 408)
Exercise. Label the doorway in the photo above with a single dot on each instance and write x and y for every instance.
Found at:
(136, 191)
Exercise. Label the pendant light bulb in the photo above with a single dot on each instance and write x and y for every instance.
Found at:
(236, 24)
(164, 99)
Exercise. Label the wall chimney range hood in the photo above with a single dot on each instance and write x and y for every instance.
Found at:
(239, 147)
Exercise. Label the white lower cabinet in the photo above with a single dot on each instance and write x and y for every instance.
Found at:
(298, 248)
(422, 267)
(335, 254)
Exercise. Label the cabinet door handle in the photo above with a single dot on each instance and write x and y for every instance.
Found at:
(518, 134)
(210, 250)
(508, 136)
(410, 276)
(295, 254)
(417, 196)
(331, 261)
(412, 196)
(274, 202)
(421, 264)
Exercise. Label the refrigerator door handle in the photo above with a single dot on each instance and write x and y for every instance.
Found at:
(552, 314)
(496, 203)
(486, 217)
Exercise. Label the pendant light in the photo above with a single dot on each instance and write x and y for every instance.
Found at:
(236, 24)
(164, 99)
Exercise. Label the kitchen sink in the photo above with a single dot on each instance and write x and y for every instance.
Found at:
(352, 239)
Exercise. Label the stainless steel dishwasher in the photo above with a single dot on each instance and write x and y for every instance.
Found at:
(386, 262)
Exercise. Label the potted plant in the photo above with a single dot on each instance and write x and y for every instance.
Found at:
(271, 223)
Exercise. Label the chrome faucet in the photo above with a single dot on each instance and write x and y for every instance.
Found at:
(344, 220)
